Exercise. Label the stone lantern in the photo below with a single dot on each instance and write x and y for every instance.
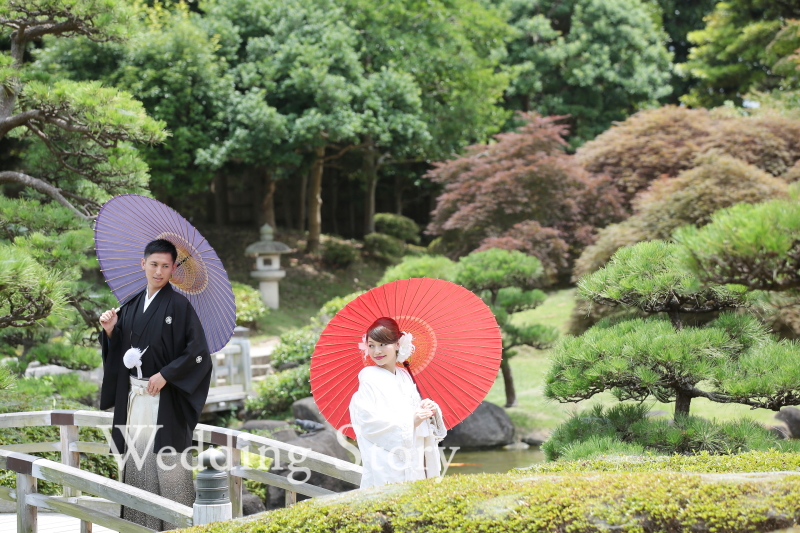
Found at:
(268, 265)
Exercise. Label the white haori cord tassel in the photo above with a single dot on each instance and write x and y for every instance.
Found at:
(133, 358)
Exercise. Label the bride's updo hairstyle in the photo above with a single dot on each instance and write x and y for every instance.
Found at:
(384, 330)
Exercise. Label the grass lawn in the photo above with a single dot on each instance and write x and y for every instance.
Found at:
(530, 367)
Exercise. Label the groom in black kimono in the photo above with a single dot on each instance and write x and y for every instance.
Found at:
(175, 372)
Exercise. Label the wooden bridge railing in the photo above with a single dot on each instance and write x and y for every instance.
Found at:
(109, 493)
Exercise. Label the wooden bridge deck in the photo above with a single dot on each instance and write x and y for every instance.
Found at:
(49, 523)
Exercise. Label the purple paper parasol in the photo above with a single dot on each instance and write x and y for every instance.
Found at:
(123, 228)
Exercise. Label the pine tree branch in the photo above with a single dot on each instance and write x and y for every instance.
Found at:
(10, 176)
(20, 119)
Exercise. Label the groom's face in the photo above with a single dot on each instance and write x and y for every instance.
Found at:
(158, 268)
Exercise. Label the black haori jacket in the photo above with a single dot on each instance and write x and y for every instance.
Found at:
(174, 337)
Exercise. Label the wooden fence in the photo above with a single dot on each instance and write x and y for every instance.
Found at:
(107, 494)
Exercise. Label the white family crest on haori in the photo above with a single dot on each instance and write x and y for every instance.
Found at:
(133, 358)
(168, 320)
(406, 347)
(199, 359)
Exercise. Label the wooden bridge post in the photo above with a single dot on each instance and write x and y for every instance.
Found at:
(69, 434)
(235, 482)
(27, 516)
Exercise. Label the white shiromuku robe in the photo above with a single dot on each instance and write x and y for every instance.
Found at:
(382, 413)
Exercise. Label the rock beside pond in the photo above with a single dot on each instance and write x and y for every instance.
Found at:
(791, 417)
(489, 426)
(325, 442)
(251, 504)
(537, 437)
(306, 409)
(276, 429)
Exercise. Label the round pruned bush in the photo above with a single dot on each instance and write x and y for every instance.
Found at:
(431, 266)
(295, 346)
(61, 353)
(397, 226)
(249, 306)
(385, 248)
(339, 253)
(276, 393)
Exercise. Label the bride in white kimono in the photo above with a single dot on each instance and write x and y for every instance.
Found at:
(398, 432)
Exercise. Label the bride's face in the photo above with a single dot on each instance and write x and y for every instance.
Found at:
(384, 355)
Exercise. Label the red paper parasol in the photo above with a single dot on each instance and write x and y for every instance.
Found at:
(457, 339)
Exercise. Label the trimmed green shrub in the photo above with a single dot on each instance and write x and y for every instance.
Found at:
(383, 247)
(333, 306)
(430, 266)
(753, 461)
(66, 355)
(249, 306)
(68, 386)
(626, 429)
(295, 346)
(277, 392)
(397, 226)
(338, 253)
(16, 401)
(516, 502)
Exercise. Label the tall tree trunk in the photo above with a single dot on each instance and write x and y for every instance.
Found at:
(370, 169)
(508, 383)
(301, 217)
(221, 199)
(351, 218)
(268, 200)
(682, 403)
(315, 201)
(335, 202)
(284, 195)
(398, 194)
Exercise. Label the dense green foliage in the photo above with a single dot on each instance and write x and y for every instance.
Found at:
(626, 429)
(737, 49)
(642, 502)
(384, 248)
(339, 253)
(397, 226)
(276, 393)
(425, 266)
(594, 60)
(249, 306)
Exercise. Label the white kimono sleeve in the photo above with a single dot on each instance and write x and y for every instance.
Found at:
(377, 421)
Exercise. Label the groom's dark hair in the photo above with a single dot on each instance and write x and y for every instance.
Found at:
(161, 246)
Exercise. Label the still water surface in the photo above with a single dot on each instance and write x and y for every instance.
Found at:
(492, 461)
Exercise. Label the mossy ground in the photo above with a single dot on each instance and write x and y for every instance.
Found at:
(572, 500)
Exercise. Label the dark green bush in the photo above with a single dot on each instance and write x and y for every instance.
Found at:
(397, 226)
(385, 248)
(68, 386)
(521, 502)
(249, 306)
(333, 306)
(16, 401)
(66, 355)
(338, 253)
(277, 392)
(295, 346)
(426, 266)
(625, 428)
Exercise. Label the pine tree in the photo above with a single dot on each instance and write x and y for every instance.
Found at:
(509, 278)
(732, 359)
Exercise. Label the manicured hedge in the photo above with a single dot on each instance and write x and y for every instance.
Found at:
(636, 502)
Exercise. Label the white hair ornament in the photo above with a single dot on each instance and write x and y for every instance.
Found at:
(406, 347)
(133, 358)
(364, 347)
